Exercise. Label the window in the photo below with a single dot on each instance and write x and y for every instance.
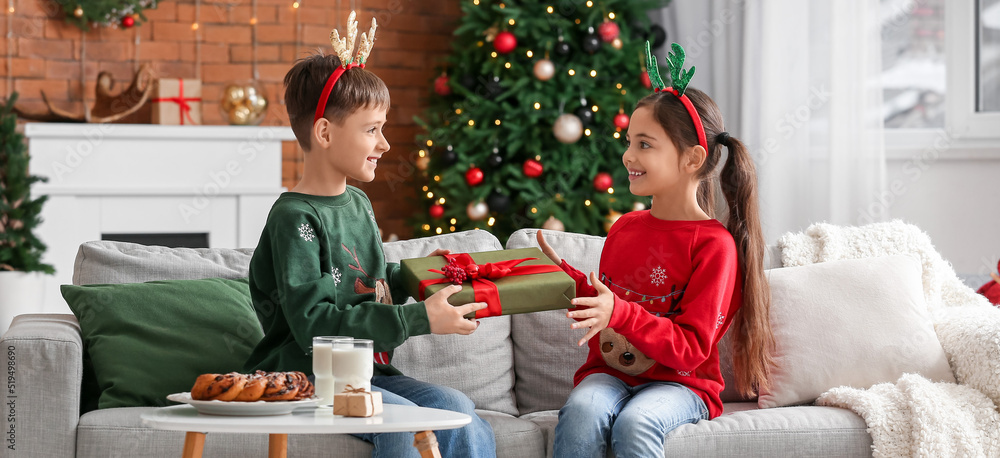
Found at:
(913, 64)
(988, 58)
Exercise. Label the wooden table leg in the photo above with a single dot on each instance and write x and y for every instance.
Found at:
(427, 444)
(194, 443)
(277, 446)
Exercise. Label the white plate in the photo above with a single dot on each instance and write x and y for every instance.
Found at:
(241, 408)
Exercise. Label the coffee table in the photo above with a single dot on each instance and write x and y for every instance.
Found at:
(305, 420)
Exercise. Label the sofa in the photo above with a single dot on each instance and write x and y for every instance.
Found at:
(517, 369)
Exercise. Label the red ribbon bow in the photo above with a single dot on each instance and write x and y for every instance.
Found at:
(480, 276)
(182, 101)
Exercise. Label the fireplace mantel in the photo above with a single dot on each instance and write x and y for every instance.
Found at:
(150, 179)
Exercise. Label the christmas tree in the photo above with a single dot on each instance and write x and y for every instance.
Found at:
(526, 123)
(20, 250)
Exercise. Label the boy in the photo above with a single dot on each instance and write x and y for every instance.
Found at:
(319, 268)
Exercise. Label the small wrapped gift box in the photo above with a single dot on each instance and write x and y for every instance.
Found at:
(356, 402)
(508, 281)
(176, 101)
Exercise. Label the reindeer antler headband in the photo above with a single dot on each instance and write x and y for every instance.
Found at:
(680, 80)
(345, 49)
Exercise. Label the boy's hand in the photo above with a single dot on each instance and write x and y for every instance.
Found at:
(547, 249)
(598, 315)
(445, 318)
(439, 252)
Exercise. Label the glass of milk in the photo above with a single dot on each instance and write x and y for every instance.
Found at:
(322, 353)
(353, 364)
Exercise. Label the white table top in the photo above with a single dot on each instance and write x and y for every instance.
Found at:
(307, 420)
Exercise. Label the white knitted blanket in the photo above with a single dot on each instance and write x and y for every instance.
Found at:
(914, 416)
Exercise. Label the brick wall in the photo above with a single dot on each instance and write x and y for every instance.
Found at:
(413, 36)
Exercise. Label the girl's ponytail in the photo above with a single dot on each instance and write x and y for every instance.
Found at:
(752, 337)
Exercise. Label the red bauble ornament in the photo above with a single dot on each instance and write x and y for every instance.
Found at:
(436, 211)
(128, 22)
(608, 31)
(644, 79)
(621, 121)
(603, 181)
(441, 85)
(533, 168)
(474, 176)
(504, 42)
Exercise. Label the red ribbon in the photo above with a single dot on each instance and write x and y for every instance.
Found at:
(480, 276)
(182, 101)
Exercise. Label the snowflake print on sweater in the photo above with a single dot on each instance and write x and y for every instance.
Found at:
(658, 276)
(306, 232)
(335, 273)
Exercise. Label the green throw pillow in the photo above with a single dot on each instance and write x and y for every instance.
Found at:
(148, 340)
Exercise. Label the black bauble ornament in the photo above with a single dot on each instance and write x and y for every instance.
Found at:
(491, 87)
(561, 48)
(495, 160)
(498, 202)
(657, 36)
(585, 114)
(591, 43)
(449, 156)
(469, 82)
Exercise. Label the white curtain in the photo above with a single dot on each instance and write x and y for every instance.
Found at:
(812, 107)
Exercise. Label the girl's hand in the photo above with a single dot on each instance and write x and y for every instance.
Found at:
(547, 249)
(439, 252)
(598, 315)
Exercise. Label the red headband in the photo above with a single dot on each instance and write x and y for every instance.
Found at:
(698, 127)
(321, 107)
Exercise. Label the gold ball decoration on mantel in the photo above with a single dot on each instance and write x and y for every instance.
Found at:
(243, 103)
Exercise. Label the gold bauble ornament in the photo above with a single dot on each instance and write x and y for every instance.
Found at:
(78, 12)
(568, 128)
(423, 162)
(544, 69)
(243, 103)
(553, 224)
(617, 43)
(610, 220)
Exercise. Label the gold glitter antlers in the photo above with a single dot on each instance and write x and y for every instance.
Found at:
(345, 46)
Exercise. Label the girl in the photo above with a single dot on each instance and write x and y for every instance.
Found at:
(672, 280)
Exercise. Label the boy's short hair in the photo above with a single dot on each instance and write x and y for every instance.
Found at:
(356, 89)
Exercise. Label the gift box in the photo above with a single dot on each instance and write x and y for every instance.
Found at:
(176, 101)
(356, 402)
(508, 281)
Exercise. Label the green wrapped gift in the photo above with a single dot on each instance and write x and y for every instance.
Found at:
(509, 281)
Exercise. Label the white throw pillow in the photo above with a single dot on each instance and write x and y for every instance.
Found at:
(853, 322)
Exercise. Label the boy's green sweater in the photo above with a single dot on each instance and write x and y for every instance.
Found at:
(319, 270)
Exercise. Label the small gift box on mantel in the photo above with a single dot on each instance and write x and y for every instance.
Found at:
(356, 402)
(509, 281)
(176, 102)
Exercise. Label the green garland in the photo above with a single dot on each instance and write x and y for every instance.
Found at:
(106, 13)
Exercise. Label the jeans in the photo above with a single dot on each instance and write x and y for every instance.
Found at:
(603, 409)
(472, 440)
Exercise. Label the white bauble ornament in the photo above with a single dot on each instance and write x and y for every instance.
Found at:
(545, 69)
(568, 128)
(477, 211)
(638, 206)
(553, 224)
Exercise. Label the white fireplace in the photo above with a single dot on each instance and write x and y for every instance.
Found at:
(195, 186)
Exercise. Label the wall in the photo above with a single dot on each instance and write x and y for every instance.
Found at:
(43, 52)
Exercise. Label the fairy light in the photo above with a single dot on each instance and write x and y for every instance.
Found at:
(458, 111)
(611, 15)
(427, 227)
(617, 135)
(534, 210)
(439, 231)
(590, 4)
(452, 228)
(538, 106)
(491, 221)
(453, 221)
(295, 5)
(502, 6)
(472, 123)
(253, 21)
(497, 122)
(577, 21)
(430, 195)
(437, 178)
(475, 2)
(529, 53)
(10, 49)
(587, 202)
(506, 65)
(593, 73)
(493, 54)
(479, 43)
(611, 190)
(619, 85)
(196, 28)
(425, 188)
(511, 21)
(430, 143)
(421, 153)
(254, 68)
(586, 132)
(549, 9)
(441, 201)
(623, 91)
(571, 72)
(594, 108)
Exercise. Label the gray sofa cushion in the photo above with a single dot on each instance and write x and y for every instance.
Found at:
(488, 353)
(746, 431)
(101, 262)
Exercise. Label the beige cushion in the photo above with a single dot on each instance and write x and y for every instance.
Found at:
(852, 322)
